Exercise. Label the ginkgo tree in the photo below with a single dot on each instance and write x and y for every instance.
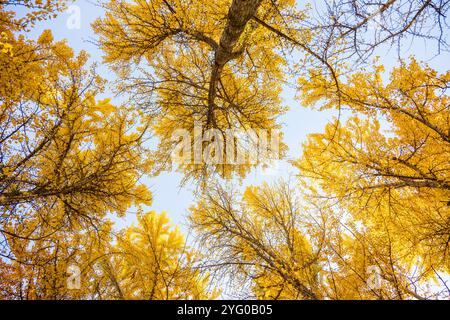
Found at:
(368, 217)
(67, 161)
(370, 213)
(65, 155)
(150, 261)
(397, 177)
(222, 64)
(33, 11)
(222, 71)
(276, 243)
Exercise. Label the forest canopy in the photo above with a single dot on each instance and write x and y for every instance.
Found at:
(197, 88)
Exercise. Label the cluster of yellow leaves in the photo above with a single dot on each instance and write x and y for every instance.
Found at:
(164, 55)
(288, 247)
(33, 11)
(59, 142)
(41, 266)
(263, 237)
(6, 48)
(147, 261)
(374, 216)
(154, 262)
(68, 160)
(396, 180)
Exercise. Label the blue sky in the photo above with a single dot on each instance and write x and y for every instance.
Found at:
(297, 122)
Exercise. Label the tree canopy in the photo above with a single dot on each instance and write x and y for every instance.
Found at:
(367, 215)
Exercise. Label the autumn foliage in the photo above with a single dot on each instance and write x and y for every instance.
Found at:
(367, 215)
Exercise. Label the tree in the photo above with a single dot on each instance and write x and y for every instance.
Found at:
(64, 155)
(219, 73)
(373, 201)
(259, 239)
(56, 266)
(147, 261)
(153, 262)
(66, 158)
(225, 70)
(67, 161)
(370, 219)
(401, 174)
(179, 68)
(35, 10)
(283, 246)
(354, 30)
